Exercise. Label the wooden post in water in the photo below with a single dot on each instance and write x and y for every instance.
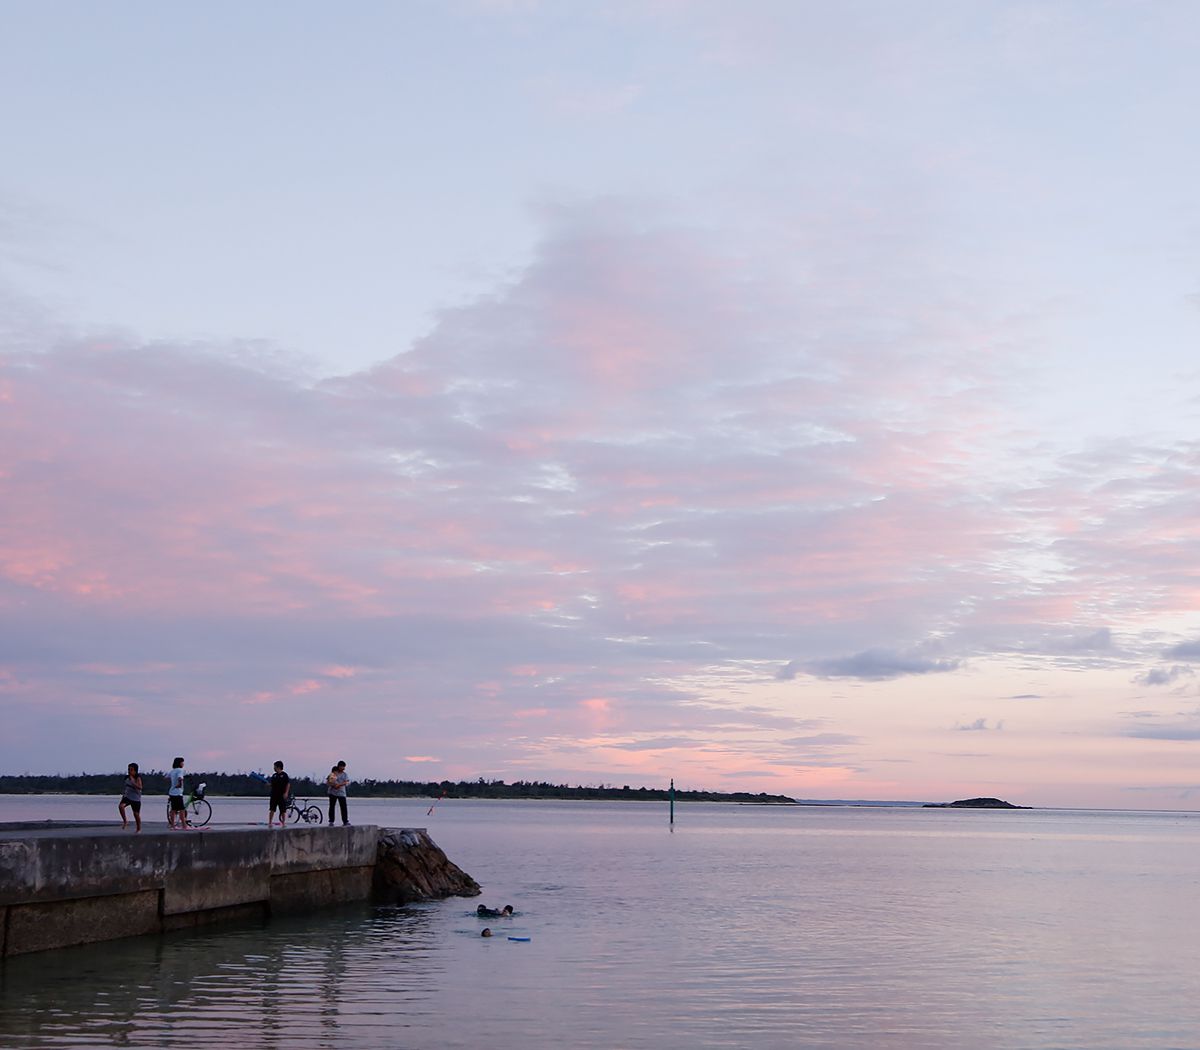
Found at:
(672, 797)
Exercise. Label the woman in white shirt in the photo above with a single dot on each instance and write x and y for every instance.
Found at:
(175, 795)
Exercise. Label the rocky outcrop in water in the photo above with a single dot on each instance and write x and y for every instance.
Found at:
(410, 866)
(974, 803)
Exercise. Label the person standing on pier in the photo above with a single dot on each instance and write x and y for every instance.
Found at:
(131, 796)
(175, 795)
(281, 788)
(337, 780)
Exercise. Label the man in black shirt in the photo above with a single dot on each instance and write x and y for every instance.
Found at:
(281, 788)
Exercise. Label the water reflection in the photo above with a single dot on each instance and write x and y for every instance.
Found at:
(291, 982)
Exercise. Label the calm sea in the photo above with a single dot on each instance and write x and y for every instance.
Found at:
(745, 927)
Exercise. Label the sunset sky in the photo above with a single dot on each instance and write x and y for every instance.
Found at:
(791, 397)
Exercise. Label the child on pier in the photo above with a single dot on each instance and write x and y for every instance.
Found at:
(131, 796)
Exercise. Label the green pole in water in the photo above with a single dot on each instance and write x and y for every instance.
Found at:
(672, 801)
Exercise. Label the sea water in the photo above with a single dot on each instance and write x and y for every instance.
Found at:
(745, 926)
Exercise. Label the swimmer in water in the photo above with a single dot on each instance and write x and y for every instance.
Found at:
(486, 932)
(484, 912)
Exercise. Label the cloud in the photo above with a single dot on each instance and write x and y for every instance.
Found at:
(820, 740)
(980, 726)
(574, 473)
(1164, 675)
(1095, 641)
(1183, 651)
(1164, 732)
(1070, 648)
(879, 664)
(741, 775)
(1184, 791)
(576, 510)
(664, 743)
(1024, 696)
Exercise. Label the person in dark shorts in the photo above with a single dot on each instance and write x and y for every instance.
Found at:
(175, 796)
(336, 781)
(131, 796)
(281, 788)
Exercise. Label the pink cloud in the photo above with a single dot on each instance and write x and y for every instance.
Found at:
(638, 466)
(599, 713)
(532, 712)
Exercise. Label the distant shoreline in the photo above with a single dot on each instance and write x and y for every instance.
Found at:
(247, 785)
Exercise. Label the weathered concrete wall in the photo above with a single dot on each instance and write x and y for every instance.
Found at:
(305, 890)
(66, 886)
(54, 924)
(212, 868)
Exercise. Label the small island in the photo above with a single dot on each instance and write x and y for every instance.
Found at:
(974, 803)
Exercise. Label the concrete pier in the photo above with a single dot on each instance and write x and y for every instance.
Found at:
(62, 885)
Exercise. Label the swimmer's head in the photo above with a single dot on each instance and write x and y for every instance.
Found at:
(506, 910)
(486, 932)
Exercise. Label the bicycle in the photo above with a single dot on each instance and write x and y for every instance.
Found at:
(304, 810)
(196, 806)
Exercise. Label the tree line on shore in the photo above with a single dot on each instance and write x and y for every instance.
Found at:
(247, 784)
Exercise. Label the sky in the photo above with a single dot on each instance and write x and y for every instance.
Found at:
(789, 397)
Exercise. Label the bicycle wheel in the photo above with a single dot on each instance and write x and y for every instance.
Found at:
(199, 812)
(311, 815)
